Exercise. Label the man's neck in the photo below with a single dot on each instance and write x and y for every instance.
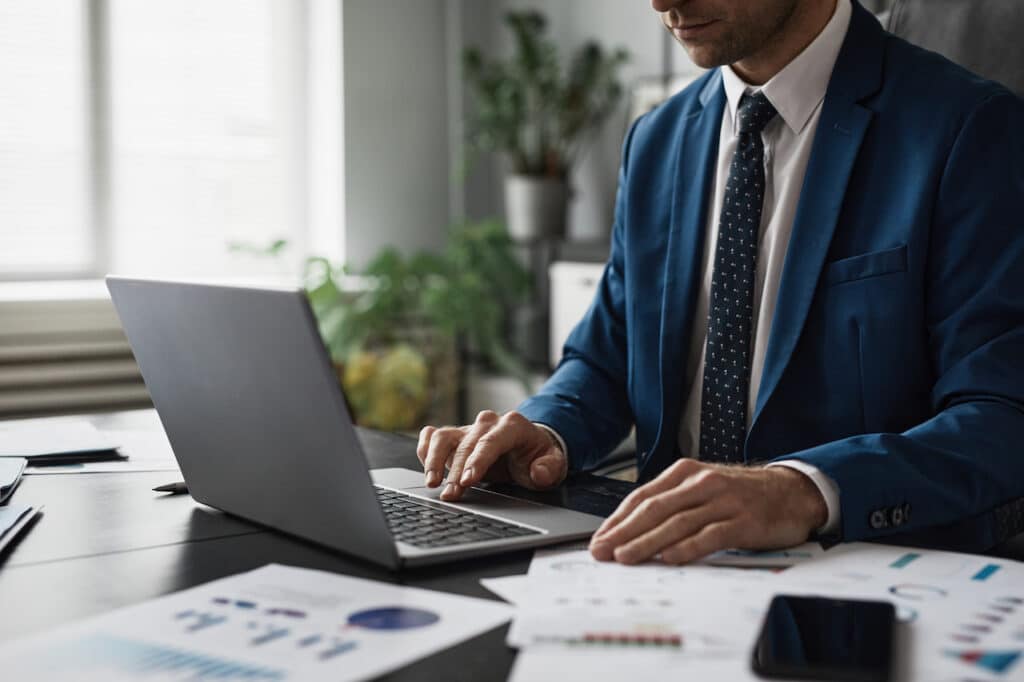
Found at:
(807, 21)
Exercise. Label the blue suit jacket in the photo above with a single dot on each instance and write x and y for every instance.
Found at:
(896, 357)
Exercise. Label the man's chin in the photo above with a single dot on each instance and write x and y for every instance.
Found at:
(705, 56)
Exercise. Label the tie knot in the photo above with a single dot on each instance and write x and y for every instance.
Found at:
(755, 113)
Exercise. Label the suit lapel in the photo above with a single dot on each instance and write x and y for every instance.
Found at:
(841, 129)
(696, 151)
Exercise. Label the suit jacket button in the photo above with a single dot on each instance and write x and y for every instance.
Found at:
(896, 516)
(878, 520)
(906, 513)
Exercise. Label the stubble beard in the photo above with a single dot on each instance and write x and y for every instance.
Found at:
(745, 40)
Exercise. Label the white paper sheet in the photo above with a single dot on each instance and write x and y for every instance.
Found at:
(571, 599)
(274, 623)
(52, 437)
(590, 665)
(580, 619)
(144, 451)
(777, 558)
(578, 567)
(737, 558)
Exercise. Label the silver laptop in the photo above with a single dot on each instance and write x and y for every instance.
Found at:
(253, 409)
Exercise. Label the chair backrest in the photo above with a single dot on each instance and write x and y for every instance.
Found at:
(984, 36)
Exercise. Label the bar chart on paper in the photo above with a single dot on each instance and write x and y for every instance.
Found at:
(992, 661)
(109, 657)
(240, 626)
(271, 624)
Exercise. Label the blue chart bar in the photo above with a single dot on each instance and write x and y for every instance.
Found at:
(310, 640)
(338, 649)
(141, 659)
(904, 560)
(270, 636)
(984, 573)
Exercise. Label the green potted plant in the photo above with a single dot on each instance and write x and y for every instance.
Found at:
(539, 115)
(397, 328)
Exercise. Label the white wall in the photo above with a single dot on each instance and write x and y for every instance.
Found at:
(397, 168)
(628, 23)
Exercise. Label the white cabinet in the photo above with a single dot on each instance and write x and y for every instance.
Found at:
(573, 286)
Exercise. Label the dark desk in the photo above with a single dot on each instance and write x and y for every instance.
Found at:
(107, 540)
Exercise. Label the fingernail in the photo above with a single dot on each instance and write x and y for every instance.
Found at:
(541, 474)
(433, 478)
(467, 476)
(451, 490)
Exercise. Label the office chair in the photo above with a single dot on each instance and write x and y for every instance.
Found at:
(983, 36)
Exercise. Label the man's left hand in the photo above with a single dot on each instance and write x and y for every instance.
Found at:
(694, 509)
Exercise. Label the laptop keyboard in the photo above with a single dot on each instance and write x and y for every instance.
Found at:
(425, 524)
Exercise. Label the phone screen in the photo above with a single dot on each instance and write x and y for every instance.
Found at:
(822, 638)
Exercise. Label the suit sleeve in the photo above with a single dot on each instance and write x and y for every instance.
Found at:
(968, 458)
(586, 400)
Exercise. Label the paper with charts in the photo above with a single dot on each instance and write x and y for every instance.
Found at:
(961, 615)
(273, 623)
(711, 611)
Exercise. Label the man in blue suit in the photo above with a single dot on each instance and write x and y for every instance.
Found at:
(813, 312)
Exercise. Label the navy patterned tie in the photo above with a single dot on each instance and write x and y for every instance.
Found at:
(723, 407)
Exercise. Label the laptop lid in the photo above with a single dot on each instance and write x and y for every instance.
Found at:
(248, 397)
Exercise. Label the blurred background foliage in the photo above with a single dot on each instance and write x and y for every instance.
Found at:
(399, 329)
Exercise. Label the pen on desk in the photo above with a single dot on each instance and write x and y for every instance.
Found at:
(177, 488)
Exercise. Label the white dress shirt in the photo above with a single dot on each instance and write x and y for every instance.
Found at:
(797, 93)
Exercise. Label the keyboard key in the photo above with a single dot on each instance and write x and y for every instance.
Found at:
(428, 524)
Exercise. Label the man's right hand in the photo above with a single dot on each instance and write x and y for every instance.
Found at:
(507, 448)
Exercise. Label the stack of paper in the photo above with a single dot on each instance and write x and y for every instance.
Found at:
(52, 441)
(962, 616)
(580, 619)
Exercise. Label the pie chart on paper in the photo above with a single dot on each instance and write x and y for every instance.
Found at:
(393, 618)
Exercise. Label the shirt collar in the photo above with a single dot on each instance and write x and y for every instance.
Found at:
(799, 87)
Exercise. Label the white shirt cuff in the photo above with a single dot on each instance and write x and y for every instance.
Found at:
(826, 486)
(558, 438)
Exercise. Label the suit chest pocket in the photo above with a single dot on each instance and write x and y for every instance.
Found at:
(866, 265)
(875, 337)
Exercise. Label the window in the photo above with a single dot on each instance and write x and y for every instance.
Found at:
(43, 157)
(147, 137)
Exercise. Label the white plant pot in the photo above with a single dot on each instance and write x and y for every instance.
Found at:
(535, 207)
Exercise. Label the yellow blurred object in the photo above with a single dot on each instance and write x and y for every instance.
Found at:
(359, 370)
(387, 389)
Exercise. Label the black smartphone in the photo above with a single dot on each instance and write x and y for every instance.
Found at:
(819, 638)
